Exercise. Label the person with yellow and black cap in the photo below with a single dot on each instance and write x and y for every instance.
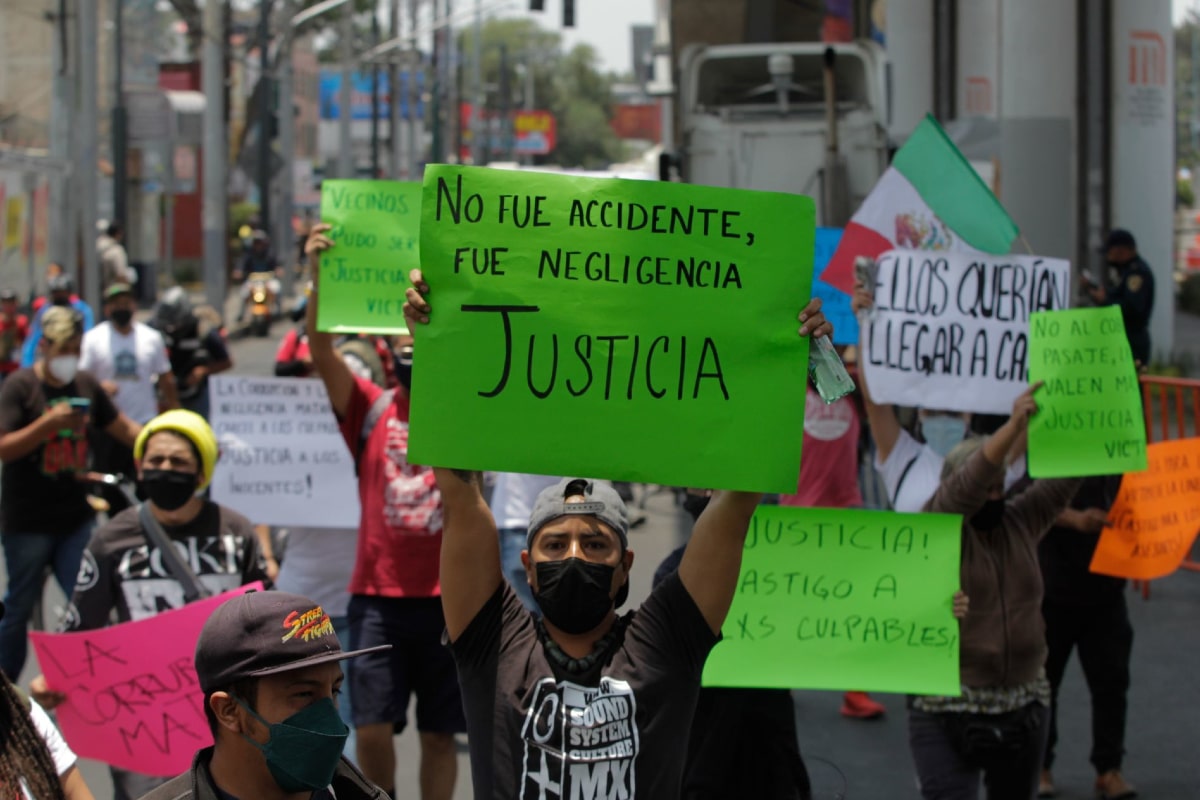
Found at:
(126, 569)
(46, 415)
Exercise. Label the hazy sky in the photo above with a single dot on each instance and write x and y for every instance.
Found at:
(604, 24)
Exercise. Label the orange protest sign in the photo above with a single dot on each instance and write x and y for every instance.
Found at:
(1156, 516)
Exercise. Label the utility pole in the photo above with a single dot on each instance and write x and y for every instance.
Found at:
(119, 131)
(346, 143)
(287, 144)
(415, 135)
(63, 218)
(86, 149)
(506, 130)
(394, 158)
(453, 104)
(478, 146)
(215, 219)
(266, 97)
(375, 96)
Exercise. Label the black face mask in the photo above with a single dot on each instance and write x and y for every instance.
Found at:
(169, 489)
(60, 301)
(573, 593)
(121, 317)
(990, 516)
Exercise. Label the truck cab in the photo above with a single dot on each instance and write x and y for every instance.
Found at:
(757, 116)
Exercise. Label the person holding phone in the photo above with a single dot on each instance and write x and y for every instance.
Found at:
(46, 412)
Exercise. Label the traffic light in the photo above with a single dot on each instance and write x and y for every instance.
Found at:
(568, 13)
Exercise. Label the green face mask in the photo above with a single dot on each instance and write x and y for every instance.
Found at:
(303, 751)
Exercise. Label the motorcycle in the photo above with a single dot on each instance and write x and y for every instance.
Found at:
(262, 301)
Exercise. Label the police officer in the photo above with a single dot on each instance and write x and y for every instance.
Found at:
(1133, 292)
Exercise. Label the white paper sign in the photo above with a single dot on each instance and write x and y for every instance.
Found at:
(951, 330)
(283, 459)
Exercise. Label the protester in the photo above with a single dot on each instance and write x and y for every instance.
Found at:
(267, 663)
(14, 330)
(513, 496)
(1086, 610)
(195, 345)
(829, 479)
(129, 359)
(46, 413)
(111, 255)
(1132, 290)
(293, 359)
(60, 292)
(35, 762)
(395, 591)
(124, 573)
(53, 270)
(911, 470)
(581, 699)
(998, 726)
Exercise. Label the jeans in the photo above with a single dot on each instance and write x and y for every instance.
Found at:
(26, 556)
(944, 773)
(341, 627)
(512, 542)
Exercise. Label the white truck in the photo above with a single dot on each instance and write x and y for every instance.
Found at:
(799, 117)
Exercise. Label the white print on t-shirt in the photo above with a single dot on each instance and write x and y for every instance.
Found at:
(149, 587)
(827, 422)
(410, 501)
(580, 742)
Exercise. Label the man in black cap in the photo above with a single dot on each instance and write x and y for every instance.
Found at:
(1133, 291)
(581, 703)
(267, 663)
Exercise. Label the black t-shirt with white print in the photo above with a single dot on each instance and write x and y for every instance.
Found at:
(40, 492)
(123, 570)
(538, 733)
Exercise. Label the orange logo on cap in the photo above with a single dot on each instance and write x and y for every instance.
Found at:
(312, 624)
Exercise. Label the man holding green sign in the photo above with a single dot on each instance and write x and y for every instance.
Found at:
(581, 704)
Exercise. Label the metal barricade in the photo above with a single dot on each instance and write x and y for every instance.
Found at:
(1172, 410)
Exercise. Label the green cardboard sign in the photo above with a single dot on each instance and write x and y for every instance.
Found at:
(628, 330)
(376, 225)
(834, 598)
(1089, 419)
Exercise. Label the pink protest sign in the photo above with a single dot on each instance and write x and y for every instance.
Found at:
(133, 700)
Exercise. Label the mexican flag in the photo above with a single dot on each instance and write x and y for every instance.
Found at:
(930, 198)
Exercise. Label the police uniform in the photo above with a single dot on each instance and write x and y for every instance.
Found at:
(1134, 293)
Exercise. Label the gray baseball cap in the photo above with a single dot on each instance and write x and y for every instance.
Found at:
(600, 501)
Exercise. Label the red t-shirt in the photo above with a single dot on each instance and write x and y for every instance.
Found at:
(829, 463)
(13, 333)
(400, 530)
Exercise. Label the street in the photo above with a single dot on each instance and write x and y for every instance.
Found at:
(869, 760)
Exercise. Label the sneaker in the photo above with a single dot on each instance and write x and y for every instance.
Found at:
(1046, 786)
(1111, 786)
(859, 705)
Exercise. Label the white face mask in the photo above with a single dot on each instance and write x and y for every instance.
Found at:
(942, 434)
(63, 368)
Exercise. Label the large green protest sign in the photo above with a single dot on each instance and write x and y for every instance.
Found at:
(1089, 419)
(619, 329)
(376, 225)
(832, 598)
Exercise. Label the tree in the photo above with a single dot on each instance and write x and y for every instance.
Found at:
(570, 86)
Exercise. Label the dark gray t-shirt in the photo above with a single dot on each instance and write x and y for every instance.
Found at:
(538, 733)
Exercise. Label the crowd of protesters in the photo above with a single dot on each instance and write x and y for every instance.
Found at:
(489, 607)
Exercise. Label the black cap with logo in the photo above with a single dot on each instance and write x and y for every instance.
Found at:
(265, 633)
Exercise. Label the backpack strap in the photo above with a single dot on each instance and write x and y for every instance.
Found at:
(904, 474)
(193, 590)
(374, 415)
